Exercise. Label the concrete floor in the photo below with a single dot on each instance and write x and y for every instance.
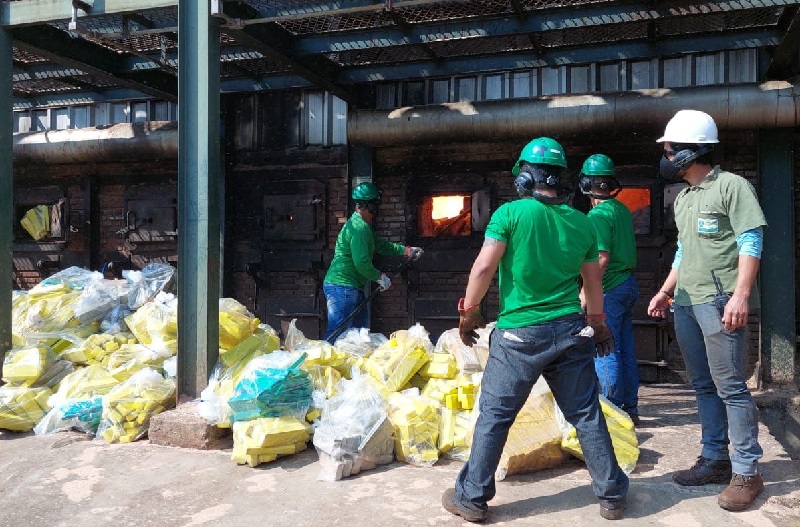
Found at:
(65, 480)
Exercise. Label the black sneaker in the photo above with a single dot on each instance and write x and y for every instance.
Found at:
(635, 419)
(453, 507)
(612, 509)
(705, 471)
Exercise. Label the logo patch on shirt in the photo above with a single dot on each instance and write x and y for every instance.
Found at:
(707, 225)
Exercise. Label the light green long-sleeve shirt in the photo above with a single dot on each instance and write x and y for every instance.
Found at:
(352, 258)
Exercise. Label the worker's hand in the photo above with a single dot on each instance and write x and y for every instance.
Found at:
(383, 282)
(470, 320)
(413, 253)
(735, 313)
(659, 305)
(603, 340)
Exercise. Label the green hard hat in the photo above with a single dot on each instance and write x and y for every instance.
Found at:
(541, 151)
(366, 192)
(598, 165)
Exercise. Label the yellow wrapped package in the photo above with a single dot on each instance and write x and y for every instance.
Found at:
(455, 432)
(27, 365)
(263, 341)
(264, 439)
(325, 379)
(97, 348)
(416, 428)
(36, 222)
(155, 325)
(50, 310)
(127, 408)
(22, 408)
(534, 440)
(236, 323)
(621, 429)
(441, 366)
(130, 358)
(396, 361)
(83, 384)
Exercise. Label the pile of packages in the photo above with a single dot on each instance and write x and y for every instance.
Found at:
(93, 355)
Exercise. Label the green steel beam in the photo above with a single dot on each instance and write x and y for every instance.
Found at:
(776, 167)
(6, 191)
(198, 195)
(25, 12)
(58, 46)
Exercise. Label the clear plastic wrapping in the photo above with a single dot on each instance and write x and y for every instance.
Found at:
(416, 428)
(147, 283)
(127, 408)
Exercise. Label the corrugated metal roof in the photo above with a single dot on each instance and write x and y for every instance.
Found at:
(305, 35)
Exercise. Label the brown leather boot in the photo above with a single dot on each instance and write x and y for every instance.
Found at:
(741, 492)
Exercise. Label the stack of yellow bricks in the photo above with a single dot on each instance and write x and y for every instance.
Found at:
(264, 439)
(129, 407)
(416, 429)
(396, 361)
(22, 408)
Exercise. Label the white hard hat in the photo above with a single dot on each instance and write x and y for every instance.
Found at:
(692, 127)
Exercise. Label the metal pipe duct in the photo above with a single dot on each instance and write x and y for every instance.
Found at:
(768, 105)
(127, 141)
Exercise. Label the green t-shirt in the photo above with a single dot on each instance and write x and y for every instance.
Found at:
(613, 226)
(352, 258)
(709, 217)
(546, 245)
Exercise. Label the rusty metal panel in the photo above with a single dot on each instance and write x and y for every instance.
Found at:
(494, 87)
(710, 69)
(440, 91)
(521, 84)
(677, 72)
(581, 79)
(644, 74)
(338, 120)
(743, 65)
(612, 77)
(467, 88)
(554, 80)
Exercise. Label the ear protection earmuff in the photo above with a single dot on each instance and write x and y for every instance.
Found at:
(586, 184)
(525, 182)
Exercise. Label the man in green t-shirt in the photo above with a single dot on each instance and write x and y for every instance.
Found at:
(540, 245)
(352, 265)
(617, 372)
(720, 235)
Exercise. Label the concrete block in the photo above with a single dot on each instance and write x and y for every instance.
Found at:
(183, 427)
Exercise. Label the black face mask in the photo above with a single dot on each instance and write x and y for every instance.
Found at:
(668, 169)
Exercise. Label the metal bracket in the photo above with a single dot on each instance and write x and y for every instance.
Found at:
(229, 22)
(83, 5)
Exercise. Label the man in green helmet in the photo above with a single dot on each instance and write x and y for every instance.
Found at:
(540, 245)
(352, 265)
(616, 242)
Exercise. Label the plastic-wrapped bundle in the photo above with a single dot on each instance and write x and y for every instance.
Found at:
(130, 358)
(354, 432)
(48, 309)
(621, 429)
(466, 357)
(264, 340)
(236, 323)
(21, 408)
(400, 358)
(359, 341)
(75, 278)
(25, 366)
(96, 348)
(325, 379)
(75, 414)
(155, 324)
(416, 428)
(441, 366)
(83, 383)
(146, 284)
(127, 409)
(455, 432)
(99, 298)
(264, 439)
(272, 385)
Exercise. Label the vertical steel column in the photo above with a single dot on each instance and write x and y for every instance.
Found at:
(198, 194)
(359, 170)
(6, 191)
(775, 166)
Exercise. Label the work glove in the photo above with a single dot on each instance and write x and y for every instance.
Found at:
(413, 253)
(603, 339)
(383, 282)
(469, 320)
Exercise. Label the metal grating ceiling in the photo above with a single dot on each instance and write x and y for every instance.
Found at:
(283, 43)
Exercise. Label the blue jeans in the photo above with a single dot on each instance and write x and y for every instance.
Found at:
(618, 373)
(341, 301)
(715, 362)
(517, 357)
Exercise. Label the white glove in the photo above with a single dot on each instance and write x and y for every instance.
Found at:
(383, 282)
(415, 253)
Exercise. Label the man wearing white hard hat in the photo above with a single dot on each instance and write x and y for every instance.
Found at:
(713, 289)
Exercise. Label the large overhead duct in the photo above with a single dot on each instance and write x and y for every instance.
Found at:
(768, 105)
(127, 141)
